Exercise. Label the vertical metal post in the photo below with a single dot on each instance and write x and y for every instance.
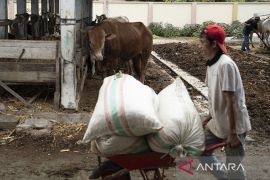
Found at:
(34, 7)
(52, 18)
(79, 12)
(56, 6)
(90, 10)
(21, 6)
(35, 19)
(86, 21)
(68, 64)
(44, 6)
(3, 15)
(44, 14)
(51, 6)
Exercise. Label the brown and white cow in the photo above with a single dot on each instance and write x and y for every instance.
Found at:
(111, 42)
(128, 64)
(103, 17)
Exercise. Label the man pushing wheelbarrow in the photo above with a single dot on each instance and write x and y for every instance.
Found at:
(226, 98)
(137, 129)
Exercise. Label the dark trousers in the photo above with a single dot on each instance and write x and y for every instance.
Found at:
(233, 155)
(245, 43)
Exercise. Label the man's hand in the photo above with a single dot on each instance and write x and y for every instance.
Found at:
(233, 140)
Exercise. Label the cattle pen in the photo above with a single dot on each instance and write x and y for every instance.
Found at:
(54, 53)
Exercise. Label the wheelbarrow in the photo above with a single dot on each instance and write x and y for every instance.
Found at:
(150, 161)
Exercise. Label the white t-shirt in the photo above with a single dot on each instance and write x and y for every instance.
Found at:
(222, 76)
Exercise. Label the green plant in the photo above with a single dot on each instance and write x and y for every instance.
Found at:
(168, 30)
(157, 29)
(171, 31)
(227, 28)
(204, 24)
(190, 30)
(236, 28)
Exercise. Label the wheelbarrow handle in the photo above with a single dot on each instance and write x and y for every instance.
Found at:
(213, 147)
(204, 123)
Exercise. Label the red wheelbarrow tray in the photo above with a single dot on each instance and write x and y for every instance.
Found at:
(150, 160)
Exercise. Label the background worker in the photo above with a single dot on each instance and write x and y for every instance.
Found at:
(249, 25)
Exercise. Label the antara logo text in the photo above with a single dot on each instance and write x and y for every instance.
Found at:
(187, 167)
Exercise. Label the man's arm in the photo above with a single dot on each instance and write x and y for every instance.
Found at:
(233, 139)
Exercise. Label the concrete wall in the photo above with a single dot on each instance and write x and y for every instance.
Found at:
(245, 9)
(98, 9)
(174, 13)
(180, 14)
(134, 11)
(218, 12)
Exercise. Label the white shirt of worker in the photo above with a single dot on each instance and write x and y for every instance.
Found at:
(222, 76)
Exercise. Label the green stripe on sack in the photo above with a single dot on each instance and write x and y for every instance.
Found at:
(162, 144)
(193, 150)
(156, 138)
(114, 108)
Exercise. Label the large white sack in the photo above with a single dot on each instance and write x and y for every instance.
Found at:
(125, 107)
(107, 146)
(182, 132)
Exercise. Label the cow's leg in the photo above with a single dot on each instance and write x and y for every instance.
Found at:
(113, 65)
(140, 63)
(267, 39)
(263, 36)
(131, 70)
(100, 69)
(144, 61)
(104, 69)
(93, 69)
(127, 67)
(137, 66)
(261, 41)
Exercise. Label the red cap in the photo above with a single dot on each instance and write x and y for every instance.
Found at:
(218, 34)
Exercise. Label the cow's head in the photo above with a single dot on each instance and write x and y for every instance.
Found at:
(100, 18)
(97, 39)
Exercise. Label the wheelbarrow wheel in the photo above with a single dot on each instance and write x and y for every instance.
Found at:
(120, 175)
(157, 175)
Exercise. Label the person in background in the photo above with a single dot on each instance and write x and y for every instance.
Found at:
(229, 120)
(249, 25)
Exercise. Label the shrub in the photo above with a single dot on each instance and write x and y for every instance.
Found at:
(226, 28)
(168, 30)
(202, 26)
(156, 28)
(236, 28)
(190, 30)
(206, 23)
(171, 31)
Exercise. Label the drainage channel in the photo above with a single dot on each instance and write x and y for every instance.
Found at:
(196, 88)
